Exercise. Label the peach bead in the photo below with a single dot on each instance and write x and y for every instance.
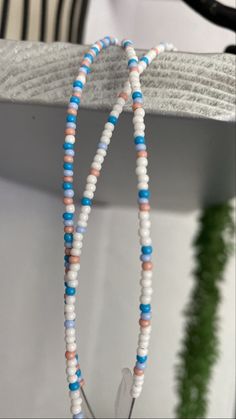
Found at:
(70, 355)
(144, 207)
(94, 172)
(133, 69)
(69, 131)
(147, 266)
(72, 111)
(68, 201)
(86, 62)
(68, 179)
(68, 229)
(142, 153)
(138, 372)
(92, 53)
(144, 323)
(68, 159)
(136, 106)
(67, 251)
(77, 94)
(74, 259)
(123, 95)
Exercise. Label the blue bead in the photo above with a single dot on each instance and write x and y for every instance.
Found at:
(69, 324)
(67, 185)
(127, 43)
(141, 359)
(70, 291)
(69, 193)
(140, 366)
(68, 237)
(78, 373)
(145, 59)
(145, 258)
(74, 386)
(75, 99)
(71, 118)
(78, 83)
(146, 250)
(137, 95)
(68, 216)
(144, 193)
(86, 201)
(79, 416)
(89, 56)
(68, 166)
(112, 119)
(145, 308)
(139, 140)
(66, 258)
(77, 357)
(68, 146)
(86, 68)
(146, 316)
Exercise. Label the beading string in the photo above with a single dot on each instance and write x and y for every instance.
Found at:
(74, 237)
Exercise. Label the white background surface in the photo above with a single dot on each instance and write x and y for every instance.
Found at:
(32, 375)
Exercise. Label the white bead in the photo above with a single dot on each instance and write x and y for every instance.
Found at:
(71, 275)
(137, 386)
(75, 267)
(77, 402)
(142, 352)
(139, 126)
(73, 284)
(70, 339)
(83, 223)
(70, 332)
(71, 371)
(72, 378)
(83, 217)
(86, 209)
(88, 194)
(144, 345)
(92, 179)
(70, 208)
(82, 78)
(71, 362)
(118, 108)
(96, 166)
(70, 316)
(107, 133)
(69, 308)
(144, 232)
(142, 161)
(105, 140)
(143, 215)
(145, 223)
(146, 241)
(139, 379)
(120, 101)
(109, 126)
(114, 113)
(145, 283)
(70, 139)
(137, 118)
(146, 330)
(77, 244)
(101, 152)
(147, 291)
(139, 132)
(75, 410)
(140, 170)
(78, 236)
(74, 394)
(144, 179)
(142, 185)
(71, 347)
(75, 252)
(70, 299)
(145, 300)
(143, 338)
(142, 66)
(98, 158)
(147, 275)
(139, 112)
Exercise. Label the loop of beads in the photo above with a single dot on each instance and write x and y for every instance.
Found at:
(74, 237)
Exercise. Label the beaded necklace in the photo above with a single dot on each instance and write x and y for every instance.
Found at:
(73, 237)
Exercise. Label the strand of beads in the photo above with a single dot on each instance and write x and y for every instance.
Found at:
(72, 256)
(99, 158)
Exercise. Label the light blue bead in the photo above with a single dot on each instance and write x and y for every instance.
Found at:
(143, 200)
(102, 145)
(138, 100)
(81, 230)
(69, 193)
(77, 89)
(141, 366)
(71, 125)
(74, 105)
(68, 223)
(79, 416)
(145, 258)
(69, 324)
(68, 172)
(70, 153)
(140, 147)
(68, 245)
(146, 316)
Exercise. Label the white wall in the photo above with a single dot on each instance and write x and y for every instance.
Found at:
(32, 378)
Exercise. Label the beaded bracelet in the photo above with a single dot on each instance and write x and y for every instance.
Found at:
(74, 239)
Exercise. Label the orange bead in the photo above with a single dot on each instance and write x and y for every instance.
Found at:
(68, 201)
(138, 372)
(136, 106)
(70, 355)
(144, 207)
(144, 323)
(123, 95)
(69, 131)
(142, 153)
(72, 111)
(74, 259)
(147, 266)
(68, 229)
(95, 172)
(68, 159)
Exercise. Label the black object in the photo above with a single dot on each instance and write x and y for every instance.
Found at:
(43, 20)
(58, 19)
(71, 20)
(82, 19)
(25, 20)
(3, 24)
(231, 49)
(215, 11)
